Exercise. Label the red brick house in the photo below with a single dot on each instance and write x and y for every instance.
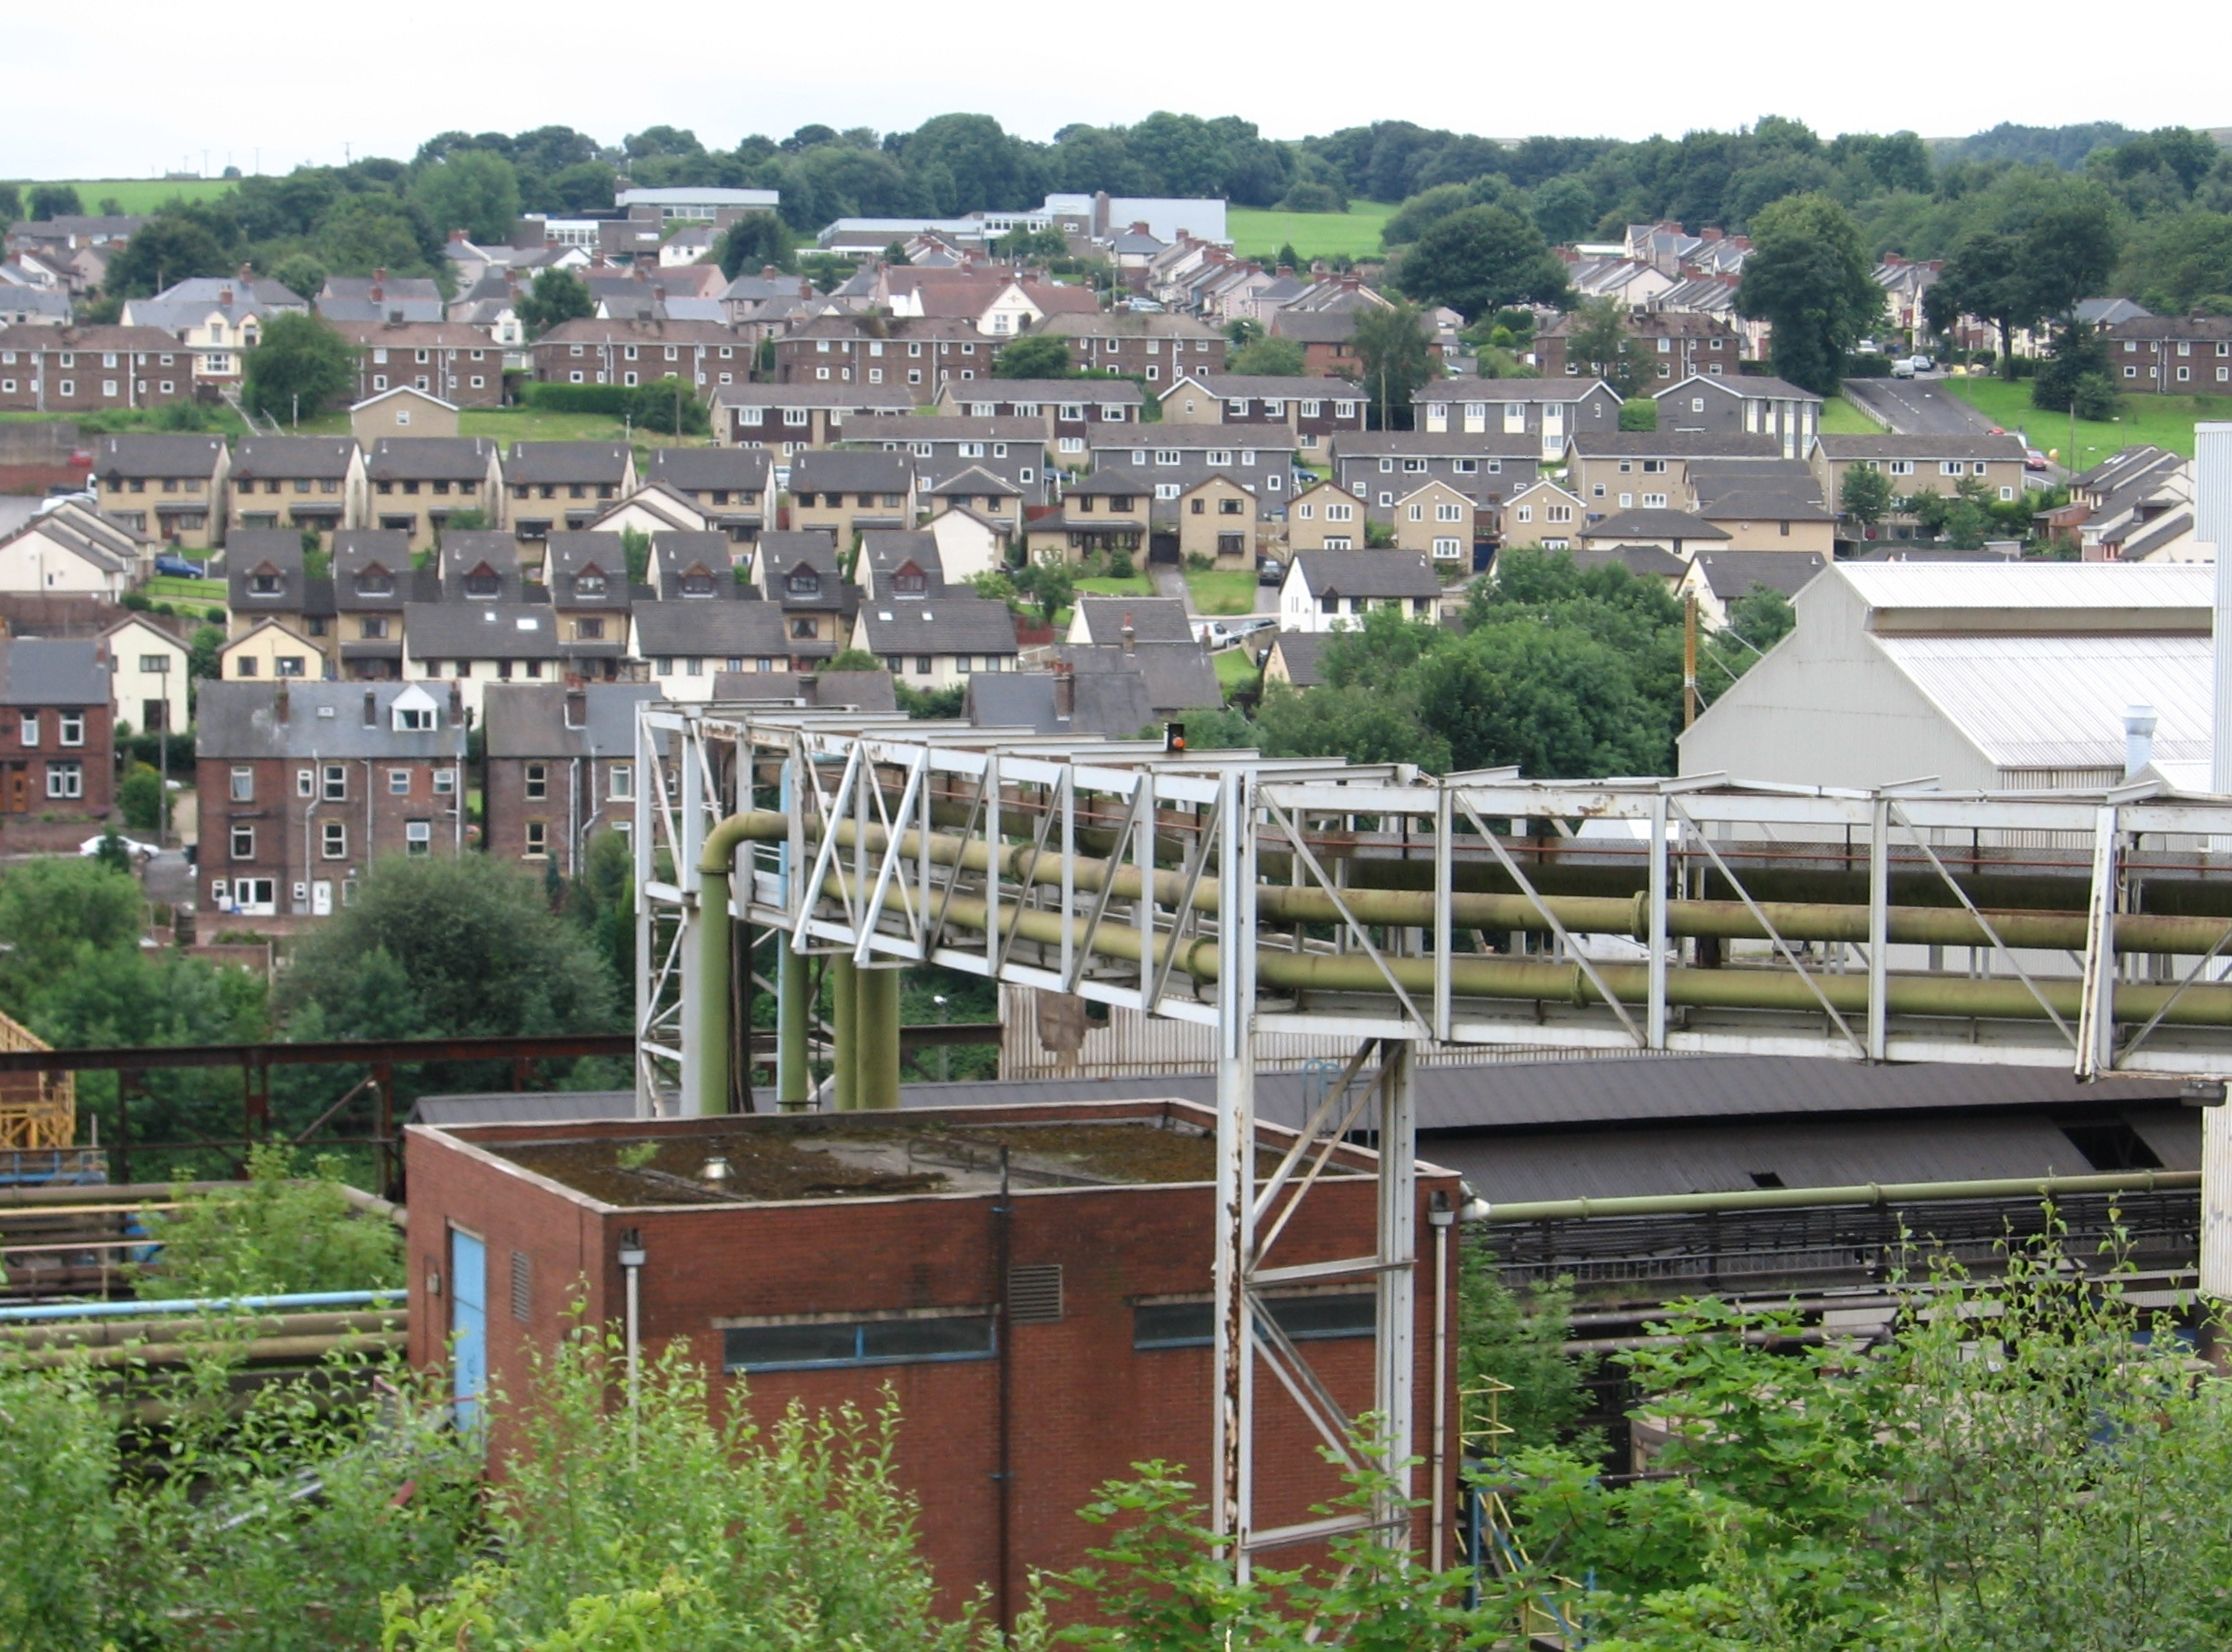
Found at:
(57, 751)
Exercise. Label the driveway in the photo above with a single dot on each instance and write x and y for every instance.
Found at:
(1170, 581)
(1918, 407)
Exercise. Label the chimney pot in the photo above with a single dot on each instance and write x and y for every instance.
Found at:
(456, 236)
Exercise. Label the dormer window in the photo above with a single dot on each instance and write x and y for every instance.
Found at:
(910, 581)
(590, 582)
(803, 583)
(264, 582)
(697, 583)
(483, 584)
(375, 581)
(414, 719)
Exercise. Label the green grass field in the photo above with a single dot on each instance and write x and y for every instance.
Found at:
(138, 195)
(1235, 667)
(1840, 418)
(527, 424)
(1139, 585)
(203, 593)
(2164, 421)
(1257, 233)
(1222, 591)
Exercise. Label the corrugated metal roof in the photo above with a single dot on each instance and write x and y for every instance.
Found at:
(2001, 585)
(2030, 702)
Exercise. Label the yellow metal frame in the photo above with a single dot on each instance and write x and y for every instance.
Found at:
(37, 1112)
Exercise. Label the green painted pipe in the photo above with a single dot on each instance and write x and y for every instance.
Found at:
(1858, 1193)
(793, 1080)
(876, 1041)
(705, 1008)
(844, 998)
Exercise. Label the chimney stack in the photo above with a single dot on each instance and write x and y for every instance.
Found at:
(457, 237)
(1130, 636)
(1065, 690)
(577, 708)
(279, 703)
(225, 296)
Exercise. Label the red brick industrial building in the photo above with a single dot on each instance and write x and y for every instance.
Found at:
(1038, 1344)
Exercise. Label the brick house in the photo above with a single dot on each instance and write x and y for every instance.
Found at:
(943, 444)
(1073, 410)
(308, 483)
(789, 419)
(586, 576)
(1101, 514)
(265, 579)
(1159, 349)
(1327, 517)
(846, 493)
(703, 354)
(57, 745)
(920, 357)
(460, 365)
(559, 768)
(420, 483)
(170, 487)
(373, 583)
(1752, 406)
(1316, 410)
(1217, 518)
(2172, 355)
(733, 487)
(1919, 464)
(86, 369)
(1384, 465)
(1036, 1354)
(1173, 457)
(1554, 411)
(1678, 344)
(797, 572)
(304, 786)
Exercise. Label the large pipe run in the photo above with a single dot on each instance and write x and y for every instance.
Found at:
(1858, 1193)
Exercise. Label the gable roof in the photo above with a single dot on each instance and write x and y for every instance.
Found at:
(39, 671)
(1152, 620)
(1651, 524)
(150, 457)
(1303, 655)
(240, 722)
(430, 459)
(690, 469)
(480, 631)
(1509, 390)
(1731, 574)
(1755, 490)
(850, 471)
(600, 463)
(537, 720)
(311, 458)
(1920, 447)
(1744, 386)
(464, 550)
(1403, 574)
(947, 624)
(720, 631)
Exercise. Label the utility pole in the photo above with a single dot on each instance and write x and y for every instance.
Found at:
(1689, 660)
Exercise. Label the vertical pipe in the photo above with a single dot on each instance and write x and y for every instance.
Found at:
(1442, 1218)
(705, 1000)
(1003, 1246)
(635, 1353)
(2212, 522)
(1234, 1343)
(790, 1028)
(1689, 660)
(844, 988)
(876, 1040)
(1398, 1258)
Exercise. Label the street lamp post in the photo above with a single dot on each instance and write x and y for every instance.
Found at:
(939, 1000)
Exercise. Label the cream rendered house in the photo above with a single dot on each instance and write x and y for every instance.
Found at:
(270, 651)
(147, 674)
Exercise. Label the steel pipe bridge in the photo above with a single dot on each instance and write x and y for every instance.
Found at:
(2087, 931)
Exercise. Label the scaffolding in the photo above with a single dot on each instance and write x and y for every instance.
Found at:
(1397, 911)
(38, 1111)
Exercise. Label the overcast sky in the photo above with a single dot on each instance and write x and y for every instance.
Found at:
(279, 87)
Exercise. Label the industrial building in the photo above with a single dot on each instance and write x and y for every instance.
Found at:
(1032, 1284)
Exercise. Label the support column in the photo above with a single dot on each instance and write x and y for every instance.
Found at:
(876, 1040)
(792, 1075)
(844, 998)
(1233, 1398)
(1398, 1257)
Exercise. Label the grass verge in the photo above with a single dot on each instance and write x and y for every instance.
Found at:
(2164, 421)
(1222, 591)
(1257, 233)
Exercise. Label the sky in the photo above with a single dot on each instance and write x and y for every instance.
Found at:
(329, 82)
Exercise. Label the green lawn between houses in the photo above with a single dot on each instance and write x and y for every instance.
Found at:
(1222, 591)
(2164, 421)
(1257, 233)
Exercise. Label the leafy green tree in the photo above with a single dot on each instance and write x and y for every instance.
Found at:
(2034, 248)
(1809, 277)
(169, 248)
(1052, 585)
(1480, 258)
(1639, 413)
(1602, 343)
(2173, 263)
(1395, 359)
(2078, 354)
(1864, 497)
(1564, 209)
(301, 367)
(111, 853)
(289, 1228)
(670, 407)
(1755, 622)
(299, 272)
(756, 241)
(139, 796)
(474, 190)
(600, 902)
(1517, 1340)
(1269, 358)
(556, 296)
(203, 654)
(55, 912)
(55, 201)
(368, 232)
(1034, 358)
(583, 186)
(11, 203)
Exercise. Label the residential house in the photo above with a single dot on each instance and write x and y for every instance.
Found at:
(218, 318)
(271, 650)
(1113, 622)
(651, 509)
(1554, 411)
(1385, 465)
(1295, 658)
(693, 567)
(706, 355)
(797, 573)
(1173, 457)
(1920, 464)
(171, 487)
(977, 490)
(1673, 531)
(421, 484)
(150, 688)
(1623, 469)
(1103, 514)
(559, 769)
(1718, 579)
(968, 545)
(313, 484)
(938, 641)
(1217, 518)
(305, 786)
(73, 551)
(480, 565)
(586, 576)
(732, 487)
(1326, 517)
(1542, 513)
(898, 564)
(998, 303)
(847, 493)
(1072, 410)
(1330, 590)
(29, 304)
(464, 647)
(1158, 348)
(447, 360)
(1114, 691)
(1775, 506)
(373, 583)
(1439, 520)
(1316, 411)
(1699, 405)
(555, 486)
(943, 444)
(2125, 498)
(686, 645)
(1678, 344)
(877, 351)
(357, 300)
(57, 732)
(1645, 562)
(401, 411)
(1906, 283)
(2172, 355)
(46, 369)
(789, 419)
(266, 579)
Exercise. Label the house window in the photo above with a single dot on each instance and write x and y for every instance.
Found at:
(445, 782)
(335, 840)
(418, 836)
(335, 784)
(538, 840)
(623, 782)
(244, 843)
(65, 780)
(73, 727)
(399, 782)
(537, 782)
(909, 1340)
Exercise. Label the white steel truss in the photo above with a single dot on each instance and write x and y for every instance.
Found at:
(1396, 909)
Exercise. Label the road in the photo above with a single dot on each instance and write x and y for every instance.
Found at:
(1918, 407)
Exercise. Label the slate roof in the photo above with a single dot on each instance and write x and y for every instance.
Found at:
(1652, 524)
(947, 624)
(1366, 573)
(674, 554)
(1152, 619)
(481, 631)
(1921, 447)
(1506, 390)
(429, 459)
(1177, 676)
(1674, 444)
(570, 554)
(1436, 444)
(718, 630)
(692, 469)
(1111, 704)
(1731, 574)
(1752, 490)
(463, 550)
(286, 458)
(529, 719)
(360, 552)
(1273, 387)
(241, 722)
(153, 457)
(248, 549)
(594, 463)
(1643, 561)
(1746, 386)
(832, 471)
(37, 671)
(1304, 655)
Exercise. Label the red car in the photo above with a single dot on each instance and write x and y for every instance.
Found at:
(2033, 459)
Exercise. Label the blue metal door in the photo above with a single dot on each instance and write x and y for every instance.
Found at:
(468, 1266)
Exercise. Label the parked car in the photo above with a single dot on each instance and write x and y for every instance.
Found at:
(1270, 571)
(132, 847)
(1924, 363)
(1902, 369)
(2033, 459)
(179, 567)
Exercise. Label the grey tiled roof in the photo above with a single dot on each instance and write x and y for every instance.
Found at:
(481, 631)
(429, 459)
(939, 625)
(598, 463)
(1731, 574)
(314, 458)
(38, 671)
(846, 472)
(717, 630)
(1367, 573)
(242, 721)
(1652, 524)
(1152, 619)
(530, 719)
(155, 457)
